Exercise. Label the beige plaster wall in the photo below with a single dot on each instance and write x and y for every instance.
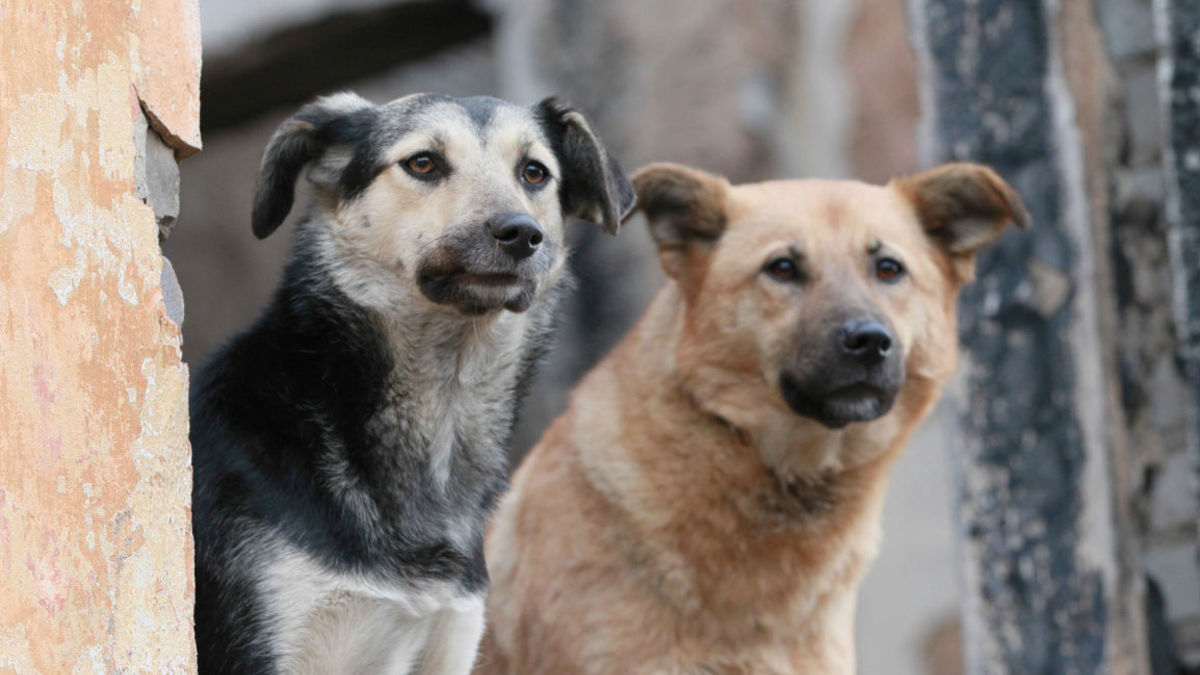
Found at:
(95, 477)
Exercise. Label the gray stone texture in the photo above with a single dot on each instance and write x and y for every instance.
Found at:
(172, 293)
(157, 175)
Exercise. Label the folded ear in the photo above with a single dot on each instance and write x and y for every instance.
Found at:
(685, 209)
(963, 206)
(300, 139)
(593, 185)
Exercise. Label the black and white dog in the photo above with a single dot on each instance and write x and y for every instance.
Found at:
(350, 444)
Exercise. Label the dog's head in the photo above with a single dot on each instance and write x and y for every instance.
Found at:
(461, 201)
(828, 298)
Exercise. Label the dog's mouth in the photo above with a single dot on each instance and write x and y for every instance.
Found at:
(475, 292)
(460, 276)
(839, 404)
(470, 271)
(487, 279)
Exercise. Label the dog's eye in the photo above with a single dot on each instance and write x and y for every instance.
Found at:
(888, 269)
(422, 164)
(534, 173)
(783, 269)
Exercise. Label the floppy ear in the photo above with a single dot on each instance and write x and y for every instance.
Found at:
(685, 209)
(300, 139)
(593, 188)
(963, 206)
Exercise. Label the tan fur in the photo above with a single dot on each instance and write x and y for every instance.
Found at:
(680, 517)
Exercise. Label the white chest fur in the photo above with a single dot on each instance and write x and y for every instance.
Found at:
(320, 621)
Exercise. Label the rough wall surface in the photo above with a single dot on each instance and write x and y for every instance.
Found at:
(95, 478)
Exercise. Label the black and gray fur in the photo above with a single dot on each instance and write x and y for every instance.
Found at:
(350, 444)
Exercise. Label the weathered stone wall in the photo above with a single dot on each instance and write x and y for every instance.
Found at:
(96, 101)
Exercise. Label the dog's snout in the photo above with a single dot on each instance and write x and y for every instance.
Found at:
(517, 233)
(865, 339)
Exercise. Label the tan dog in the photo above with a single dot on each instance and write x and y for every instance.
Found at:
(710, 501)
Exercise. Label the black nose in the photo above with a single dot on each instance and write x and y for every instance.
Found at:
(517, 233)
(865, 339)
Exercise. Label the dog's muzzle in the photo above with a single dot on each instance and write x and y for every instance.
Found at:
(480, 268)
(857, 380)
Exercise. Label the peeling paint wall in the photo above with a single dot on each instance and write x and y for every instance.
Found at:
(95, 477)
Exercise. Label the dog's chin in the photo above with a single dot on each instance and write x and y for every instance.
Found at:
(835, 407)
(474, 293)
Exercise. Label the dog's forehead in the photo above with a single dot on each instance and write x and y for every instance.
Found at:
(820, 212)
(484, 117)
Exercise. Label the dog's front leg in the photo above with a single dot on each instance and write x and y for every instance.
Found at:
(453, 641)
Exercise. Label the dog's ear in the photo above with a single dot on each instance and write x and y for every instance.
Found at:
(594, 187)
(963, 206)
(300, 139)
(685, 209)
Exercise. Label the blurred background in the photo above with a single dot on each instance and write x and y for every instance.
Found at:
(1048, 511)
